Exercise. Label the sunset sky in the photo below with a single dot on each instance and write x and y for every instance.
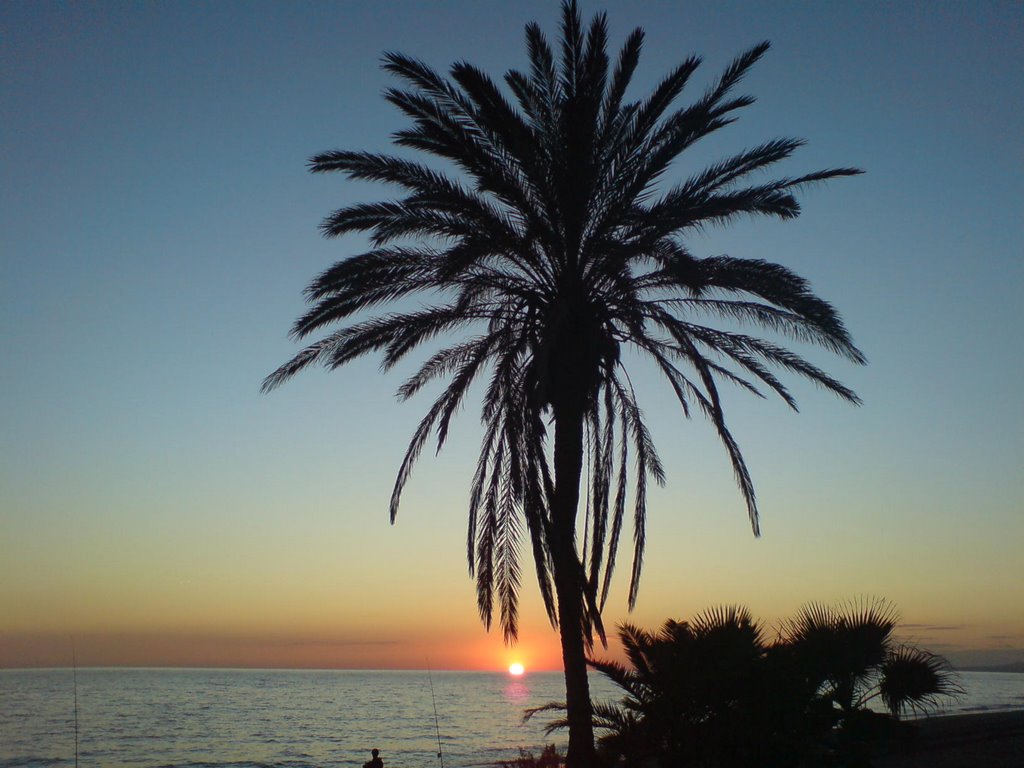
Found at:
(157, 227)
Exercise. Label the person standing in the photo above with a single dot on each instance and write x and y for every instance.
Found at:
(375, 762)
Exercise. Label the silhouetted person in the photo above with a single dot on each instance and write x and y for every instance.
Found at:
(376, 762)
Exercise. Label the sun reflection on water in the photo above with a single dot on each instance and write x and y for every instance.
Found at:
(516, 691)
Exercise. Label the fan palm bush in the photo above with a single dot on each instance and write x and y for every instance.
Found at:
(713, 692)
(850, 652)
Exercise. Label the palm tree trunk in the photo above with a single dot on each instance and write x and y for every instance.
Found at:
(568, 467)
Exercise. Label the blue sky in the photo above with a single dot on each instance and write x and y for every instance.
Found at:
(157, 226)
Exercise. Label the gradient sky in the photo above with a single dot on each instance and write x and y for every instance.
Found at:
(157, 226)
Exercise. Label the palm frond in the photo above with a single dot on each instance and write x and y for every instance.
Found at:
(915, 680)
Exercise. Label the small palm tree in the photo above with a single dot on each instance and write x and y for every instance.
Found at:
(849, 652)
(695, 689)
(848, 657)
(553, 248)
(712, 692)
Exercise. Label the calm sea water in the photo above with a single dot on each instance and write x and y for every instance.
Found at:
(207, 718)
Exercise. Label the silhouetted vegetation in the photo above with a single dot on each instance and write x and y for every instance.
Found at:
(713, 692)
(548, 758)
(554, 247)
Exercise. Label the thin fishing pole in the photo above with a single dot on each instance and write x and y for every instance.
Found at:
(74, 677)
(437, 726)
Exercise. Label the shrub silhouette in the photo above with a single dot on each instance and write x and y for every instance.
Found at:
(712, 692)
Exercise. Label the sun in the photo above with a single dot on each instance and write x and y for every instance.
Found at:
(516, 669)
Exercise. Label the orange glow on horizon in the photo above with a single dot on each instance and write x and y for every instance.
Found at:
(469, 649)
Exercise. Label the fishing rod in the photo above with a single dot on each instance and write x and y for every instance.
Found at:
(437, 727)
(74, 678)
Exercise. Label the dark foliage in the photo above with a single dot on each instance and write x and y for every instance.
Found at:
(713, 693)
(548, 758)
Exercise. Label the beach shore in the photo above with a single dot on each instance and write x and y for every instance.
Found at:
(988, 740)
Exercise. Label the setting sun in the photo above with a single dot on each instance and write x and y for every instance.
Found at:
(516, 669)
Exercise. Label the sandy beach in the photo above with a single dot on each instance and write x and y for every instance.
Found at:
(990, 740)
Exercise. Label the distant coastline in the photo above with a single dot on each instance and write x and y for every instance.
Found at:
(1014, 666)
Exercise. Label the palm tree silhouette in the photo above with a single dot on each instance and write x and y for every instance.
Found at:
(696, 692)
(551, 250)
(852, 654)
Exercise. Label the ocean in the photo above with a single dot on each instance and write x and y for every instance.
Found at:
(217, 718)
